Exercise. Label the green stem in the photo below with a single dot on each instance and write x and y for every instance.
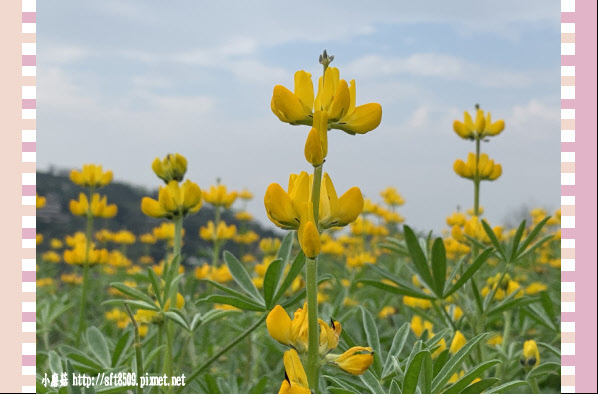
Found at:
(443, 314)
(225, 349)
(313, 356)
(534, 385)
(176, 255)
(137, 346)
(476, 180)
(88, 231)
(217, 243)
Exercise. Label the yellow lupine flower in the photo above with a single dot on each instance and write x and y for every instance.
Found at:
(247, 238)
(535, 288)
(51, 257)
(222, 232)
(42, 282)
(417, 302)
(310, 240)
(495, 340)
(392, 197)
(124, 237)
(486, 168)
(289, 210)
(387, 311)
(314, 154)
(91, 176)
(482, 127)
(245, 195)
(458, 342)
(219, 196)
(441, 349)
(286, 331)
(356, 360)
(55, 243)
(173, 200)
(418, 325)
(359, 260)
(244, 216)
(172, 167)
(99, 206)
(148, 238)
(269, 245)
(77, 255)
(295, 381)
(531, 355)
(456, 219)
(40, 202)
(71, 278)
(297, 107)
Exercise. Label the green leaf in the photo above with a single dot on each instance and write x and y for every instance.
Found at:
(454, 364)
(133, 303)
(123, 343)
(492, 236)
(544, 369)
(70, 371)
(440, 361)
(373, 340)
(472, 269)
(372, 383)
(212, 384)
(398, 343)
(98, 346)
(535, 246)
(396, 290)
(240, 275)
(233, 301)
(156, 285)
(228, 290)
(216, 314)
(345, 387)
(55, 363)
(394, 388)
(552, 349)
(285, 249)
(115, 389)
(131, 292)
(479, 387)
(516, 240)
(511, 304)
(148, 358)
(532, 235)
(82, 361)
(470, 377)
(271, 279)
(295, 269)
(177, 318)
(418, 256)
(414, 368)
(439, 266)
(196, 321)
(507, 387)
(260, 386)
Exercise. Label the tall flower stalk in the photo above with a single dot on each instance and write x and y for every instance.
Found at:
(311, 204)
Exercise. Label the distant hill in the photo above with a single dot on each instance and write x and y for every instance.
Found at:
(56, 221)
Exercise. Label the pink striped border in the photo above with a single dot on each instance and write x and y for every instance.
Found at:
(28, 226)
(578, 193)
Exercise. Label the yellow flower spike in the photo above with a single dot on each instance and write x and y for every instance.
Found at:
(313, 148)
(311, 244)
(495, 128)
(288, 107)
(458, 342)
(173, 201)
(295, 378)
(91, 175)
(40, 202)
(80, 207)
(531, 355)
(355, 360)
(172, 167)
(101, 208)
(219, 196)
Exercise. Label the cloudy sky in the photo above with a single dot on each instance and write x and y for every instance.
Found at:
(120, 83)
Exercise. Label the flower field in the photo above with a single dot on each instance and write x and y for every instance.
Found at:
(351, 298)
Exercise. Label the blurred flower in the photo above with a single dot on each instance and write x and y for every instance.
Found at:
(40, 202)
(172, 167)
(531, 355)
(91, 176)
(222, 232)
(392, 197)
(387, 311)
(482, 127)
(485, 168)
(218, 196)
(269, 245)
(51, 257)
(55, 243)
(124, 237)
(173, 200)
(244, 216)
(458, 342)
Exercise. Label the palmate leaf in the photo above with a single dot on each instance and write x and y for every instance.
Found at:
(470, 271)
(271, 279)
(296, 268)
(233, 293)
(470, 377)
(531, 236)
(131, 292)
(396, 290)
(98, 346)
(493, 239)
(398, 343)
(233, 301)
(123, 343)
